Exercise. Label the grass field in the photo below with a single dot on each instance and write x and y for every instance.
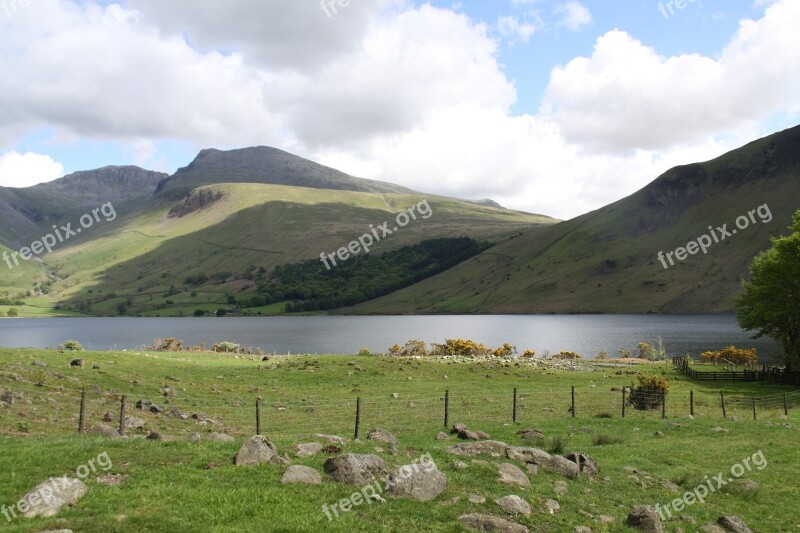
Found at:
(181, 486)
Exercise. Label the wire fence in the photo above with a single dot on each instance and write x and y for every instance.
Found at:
(37, 408)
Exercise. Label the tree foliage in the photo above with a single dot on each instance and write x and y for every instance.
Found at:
(770, 304)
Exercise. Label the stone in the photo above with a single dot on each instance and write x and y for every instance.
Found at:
(219, 437)
(511, 475)
(309, 449)
(531, 434)
(719, 430)
(514, 505)
(381, 435)
(105, 431)
(712, 528)
(77, 362)
(493, 448)
(133, 422)
(483, 522)
(532, 469)
(605, 519)
(332, 439)
(143, 404)
(476, 498)
(583, 529)
(658, 434)
(734, 524)
(258, 450)
(155, 435)
(528, 455)
(155, 409)
(442, 436)
(745, 485)
(645, 518)
(48, 497)
(194, 437)
(586, 463)
(416, 482)
(560, 488)
(301, 474)
(7, 397)
(459, 465)
(552, 506)
(355, 469)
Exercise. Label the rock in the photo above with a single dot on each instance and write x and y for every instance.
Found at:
(332, 439)
(143, 404)
(48, 497)
(711, 528)
(458, 428)
(107, 417)
(309, 449)
(719, 430)
(483, 447)
(257, 450)
(168, 391)
(442, 436)
(511, 475)
(743, 484)
(155, 409)
(459, 465)
(528, 455)
(194, 437)
(381, 435)
(552, 506)
(560, 488)
(355, 469)
(645, 518)
(476, 498)
(531, 434)
(77, 362)
(412, 481)
(301, 474)
(133, 422)
(586, 463)
(219, 437)
(658, 434)
(583, 529)
(105, 431)
(532, 468)
(733, 524)
(483, 522)
(605, 519)
(155, 435)
(395, 395)
(7, 397)
(514, 505)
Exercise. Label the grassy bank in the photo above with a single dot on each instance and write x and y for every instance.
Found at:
(177, 485)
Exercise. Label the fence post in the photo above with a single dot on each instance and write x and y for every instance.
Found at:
(514, 413)
(785, 405)
(722, 398)
(446, 407)
(663, 404)
(358, 417)
(623, 402)
(754, 408)
(573, 401)
(122, 416)
(691, 402)
(258, 417)
(82, 416)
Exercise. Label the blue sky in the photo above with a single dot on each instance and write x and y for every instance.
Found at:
(551, 106)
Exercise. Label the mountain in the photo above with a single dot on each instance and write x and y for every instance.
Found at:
(607, 260)
(26, 211)
(265, 165)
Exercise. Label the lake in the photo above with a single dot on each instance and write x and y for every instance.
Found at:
(585, 334)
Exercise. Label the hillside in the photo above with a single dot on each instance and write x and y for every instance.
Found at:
(606, 260)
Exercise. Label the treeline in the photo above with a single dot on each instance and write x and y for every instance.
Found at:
(312, 287)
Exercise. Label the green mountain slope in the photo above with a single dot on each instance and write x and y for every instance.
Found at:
(606, 261)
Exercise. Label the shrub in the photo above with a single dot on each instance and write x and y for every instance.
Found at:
(564, 354)
(365, 351)
(624, 353)
(602, 440)
(411, 348)
(13, 312)
(528, 354)
(226, 347)
(506, 350)
(71, 346)
(645, 350)
(462, 347)
(647, 395)
(199, 312)
(731, 354)
(602, 356)
(557, 445)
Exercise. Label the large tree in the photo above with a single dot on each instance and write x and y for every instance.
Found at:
(770, 304)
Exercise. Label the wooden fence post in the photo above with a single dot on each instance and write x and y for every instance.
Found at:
(82, 416)
(785, 405)
(514, 411)
(663, 404)
(691, 402)
(358, 417)
(754, 408)
(573, 401)
(122, 416)
(446, 407)
(258, 417)
(722, 398)
(623, 402)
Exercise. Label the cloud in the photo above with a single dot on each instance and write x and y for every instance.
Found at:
(627, 96)
(574, 15)
(24, 170)
(511, 27)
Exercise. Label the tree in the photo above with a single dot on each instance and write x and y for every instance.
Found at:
(770, 304)
(13, 313)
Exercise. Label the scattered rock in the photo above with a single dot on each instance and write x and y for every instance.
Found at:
(257, 450)
(301, 474)
(309, 449)
(743, 484)
(48, 497)
(645, 518)
(395, 395)
(733, 524)
(459, 465)
(586, 463)
(168, 392)
(511, 475)
(133, 422)
(7, 397)
(531, 434)
(194, 437)
(483, 522)
(442, 436)
(514, 505)
(476, 498)
(712, 528)
(421, 484)
(381, 435)
(155, 435)
(658, 434)
(105, 431)
(719, 430)
(493, 448)
(552, 506)
(466, 434)
(143, 404)
(532, 468)
(332, 439)
(155, 409)
(77, 362)
(107, 417)
(355, 469)
(560, 488)
(605, 519)
(528, 455)
(219, 437)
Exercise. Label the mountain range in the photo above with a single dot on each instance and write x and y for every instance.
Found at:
(210, 237)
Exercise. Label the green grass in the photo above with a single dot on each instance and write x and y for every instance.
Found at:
(181, 486)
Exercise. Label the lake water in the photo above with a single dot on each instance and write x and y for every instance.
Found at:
(585, 334)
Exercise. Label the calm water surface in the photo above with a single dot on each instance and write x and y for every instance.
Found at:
(586, 334)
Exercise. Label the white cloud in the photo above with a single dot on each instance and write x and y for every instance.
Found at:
(574, 15)
(627, 96)
(511, 27)
(24, 170)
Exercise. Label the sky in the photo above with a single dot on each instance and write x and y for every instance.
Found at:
(556, 107)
